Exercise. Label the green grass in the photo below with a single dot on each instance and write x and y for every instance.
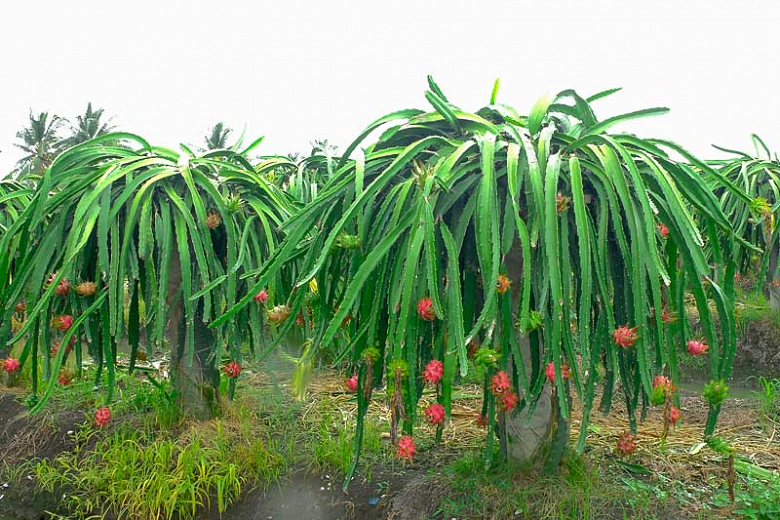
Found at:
(583, 489)
(767, 398)
(752, 306)
(135, 474)
(754, 498)
(331, 441)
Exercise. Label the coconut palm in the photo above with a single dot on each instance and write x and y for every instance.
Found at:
(40, 142)
(527, 239)
(217, 137)
(88, 126)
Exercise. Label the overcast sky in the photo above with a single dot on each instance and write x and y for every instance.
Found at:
(298, 71)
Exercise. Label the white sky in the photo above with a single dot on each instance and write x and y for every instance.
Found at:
(295, 71)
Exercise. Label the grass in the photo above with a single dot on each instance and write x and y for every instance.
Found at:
(331, 441)
(767, 398)
(580, 490)
(132, 474)
(150, 462)
(752, 306)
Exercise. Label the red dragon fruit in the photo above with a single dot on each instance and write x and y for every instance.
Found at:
(65, 377)
(549, 371)
(102, 416)
(63, 288)
(278, 314)
(674, 414)
(433, 372)
(11, 365)
(507, 401)
(435, 414)
(663, 230)
(20, 307)
(481, 421)
(232, 369)
(626, 444)
(262, 296)
(625, 336)
(425, 309)
(56, 347)
(63, 322)
(406, 448)
(669, 317)
(500, 383)
(697, 347)
(663, 382)
(562, 202)
(352, 383)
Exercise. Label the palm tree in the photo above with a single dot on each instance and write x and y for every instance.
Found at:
(88, 126)
(217, 137)
(40, 143)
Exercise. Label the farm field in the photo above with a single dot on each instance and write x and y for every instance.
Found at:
(498, 313)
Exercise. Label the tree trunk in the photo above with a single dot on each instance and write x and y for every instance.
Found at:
(527, 436)
(197, 383)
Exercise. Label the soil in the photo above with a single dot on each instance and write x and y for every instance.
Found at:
(759, 346)
(400, 495)
(23, 438)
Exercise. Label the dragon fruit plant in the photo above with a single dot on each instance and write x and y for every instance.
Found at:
(757, 250)
(116, 225)
(440, 200)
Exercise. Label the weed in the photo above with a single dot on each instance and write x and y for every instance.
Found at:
(135, 474)
(768, 398)
(578, 491)
(755, 499)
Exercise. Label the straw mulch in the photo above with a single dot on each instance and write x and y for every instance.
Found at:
(680, 456)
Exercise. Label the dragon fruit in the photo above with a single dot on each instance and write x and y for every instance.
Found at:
(697, 347)
(674, 414)
(625, 336)
(352, 383)
(663, 230)
(63, 322)
(433, 372)
(20, 307)
(56, 347)
(11, 365)
(715, 392)
(507, 401)
(213, 220)
(549, 371)
(435, 414)
(406, 448)
(85, 289)
(262, 296)
(481, 421)
(500, 383)
(562, 202)
(626, 444)
(278, 314)
(669, 317)
(425, 309)
(65, 377)
(661, 381)
(502, 284)
(102, 416)
(63, 288)
(232, 369)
